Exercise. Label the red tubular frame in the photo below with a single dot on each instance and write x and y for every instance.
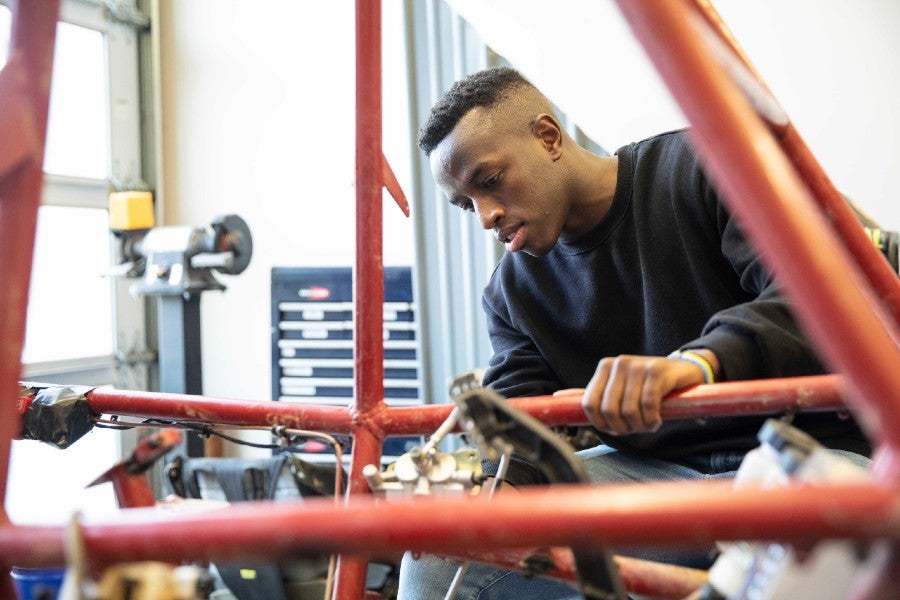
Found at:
(760, 397)
(25, 83)
(25, 88)
(368, 276)
(669, 514)
(855, 333)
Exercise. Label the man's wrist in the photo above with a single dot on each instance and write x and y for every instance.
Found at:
(703, 358)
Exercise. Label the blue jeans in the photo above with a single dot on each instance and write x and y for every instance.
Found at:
(429, 577)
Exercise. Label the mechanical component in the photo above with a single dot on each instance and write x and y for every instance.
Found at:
(747, 570)
(234, 242)
(538, 562)
(155, 581)
(421, 472)
(427, 470)
(131, 486)
(176, 264)
(179, 260)
(57, 415)
(495, 426)
(498, 429)
(466, 382)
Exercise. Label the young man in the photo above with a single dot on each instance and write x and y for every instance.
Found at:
(624, 274)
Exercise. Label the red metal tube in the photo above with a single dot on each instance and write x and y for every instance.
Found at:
(27, 93)
(350, 582)
(757, 397)
(669, 514)
(368, 281)
(841, 314)
(368, 284)
(129, 477)
(132, 491)
(186, 407)
(32, 40)
(873, 264)
(714, 20)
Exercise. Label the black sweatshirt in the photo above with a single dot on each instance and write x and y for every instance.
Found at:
(666, 269)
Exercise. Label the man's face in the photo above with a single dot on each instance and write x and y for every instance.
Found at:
(507, 177)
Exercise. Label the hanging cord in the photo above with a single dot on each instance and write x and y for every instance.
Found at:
(207, 430)
(495, 485)
(338, 484)
(288, 434)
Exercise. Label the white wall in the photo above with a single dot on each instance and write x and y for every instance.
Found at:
(834, 66)
(258, 116)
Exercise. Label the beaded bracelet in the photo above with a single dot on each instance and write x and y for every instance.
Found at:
(698, 359)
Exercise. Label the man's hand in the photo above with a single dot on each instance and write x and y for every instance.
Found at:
(625, 392)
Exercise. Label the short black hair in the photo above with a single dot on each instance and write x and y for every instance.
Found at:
(484, 88)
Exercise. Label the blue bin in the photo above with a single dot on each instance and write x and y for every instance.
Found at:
(38, 584)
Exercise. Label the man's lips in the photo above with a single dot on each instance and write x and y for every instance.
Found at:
(513, 238)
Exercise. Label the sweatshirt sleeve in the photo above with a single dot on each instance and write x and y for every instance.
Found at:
(516, 369)
(759, 338)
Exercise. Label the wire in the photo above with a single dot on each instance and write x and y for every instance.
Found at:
(338, 484)
(103, 425)
(335, 447)
(207, 431)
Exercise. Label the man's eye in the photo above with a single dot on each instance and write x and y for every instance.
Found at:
(463, 203)
(491, 181)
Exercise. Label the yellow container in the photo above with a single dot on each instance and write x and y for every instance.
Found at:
(130, 210)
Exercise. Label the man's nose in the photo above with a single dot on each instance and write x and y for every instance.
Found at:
(488, 211)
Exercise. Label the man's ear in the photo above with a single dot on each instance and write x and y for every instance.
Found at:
(547, 129)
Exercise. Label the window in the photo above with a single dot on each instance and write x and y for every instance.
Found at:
(78, 128)
(70, 302)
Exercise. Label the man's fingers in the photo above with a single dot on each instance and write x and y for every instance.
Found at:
(593, 393)
(634, 374)
(611, 403)
(625, 393)
(651, 397)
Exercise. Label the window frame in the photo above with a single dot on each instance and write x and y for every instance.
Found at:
(121, 33)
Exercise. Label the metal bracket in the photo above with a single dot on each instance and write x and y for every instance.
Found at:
(494, 424)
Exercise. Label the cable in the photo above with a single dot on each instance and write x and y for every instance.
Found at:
(207, 431)
(338, 483)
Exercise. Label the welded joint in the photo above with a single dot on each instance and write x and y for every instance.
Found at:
(371, 420)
